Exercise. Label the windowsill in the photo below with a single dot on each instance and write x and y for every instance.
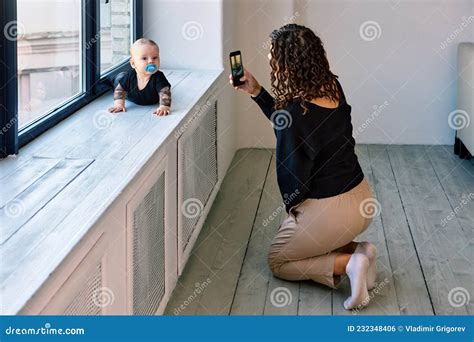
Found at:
(92, 155)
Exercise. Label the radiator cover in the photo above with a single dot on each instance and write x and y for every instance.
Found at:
(197, 174)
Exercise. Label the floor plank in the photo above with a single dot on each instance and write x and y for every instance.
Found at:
(251, 291)
(220, 248)
(457, 179)
(282, 298)
(420, 258)
(413, 297)
(315, 299)
(425, 206)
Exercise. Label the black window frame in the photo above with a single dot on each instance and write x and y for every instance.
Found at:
(94, 83)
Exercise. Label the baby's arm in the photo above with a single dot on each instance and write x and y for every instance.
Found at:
(165, 97)
(165, 102)
(119, 100)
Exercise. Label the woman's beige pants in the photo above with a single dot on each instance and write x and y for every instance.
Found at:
(308, 240)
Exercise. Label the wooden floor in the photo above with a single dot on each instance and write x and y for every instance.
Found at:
(424, 262)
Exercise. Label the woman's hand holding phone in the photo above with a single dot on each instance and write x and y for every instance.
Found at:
(250, 85)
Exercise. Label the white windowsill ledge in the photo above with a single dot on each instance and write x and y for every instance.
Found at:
(91, 156)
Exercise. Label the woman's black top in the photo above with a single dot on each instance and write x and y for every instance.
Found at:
(315, 155)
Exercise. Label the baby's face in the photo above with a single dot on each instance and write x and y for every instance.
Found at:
(143, 55)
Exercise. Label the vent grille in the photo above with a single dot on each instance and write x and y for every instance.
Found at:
(85, 302)
(198, 171)
(149, 251)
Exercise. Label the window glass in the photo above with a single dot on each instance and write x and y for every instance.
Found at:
(115, 32)
(49, 56)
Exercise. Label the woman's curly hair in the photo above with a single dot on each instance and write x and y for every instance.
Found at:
(300, 68)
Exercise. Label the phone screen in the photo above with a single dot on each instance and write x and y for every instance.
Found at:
(237, 67)
(236, 64)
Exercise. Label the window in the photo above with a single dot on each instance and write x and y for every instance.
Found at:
(115, 31)
(49, 56)
(57, 56)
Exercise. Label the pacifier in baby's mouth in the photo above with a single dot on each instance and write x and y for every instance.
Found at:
(151, 68)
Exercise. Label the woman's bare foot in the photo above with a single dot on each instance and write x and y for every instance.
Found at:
(370, 251)
(357, 269)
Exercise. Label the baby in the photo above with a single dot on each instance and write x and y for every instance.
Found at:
(144, 84)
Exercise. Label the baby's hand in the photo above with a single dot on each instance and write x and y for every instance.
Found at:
(117, 107)
(162, 110)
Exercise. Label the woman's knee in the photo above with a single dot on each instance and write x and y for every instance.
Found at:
(272, 259)
(275, 267)
(276, 259)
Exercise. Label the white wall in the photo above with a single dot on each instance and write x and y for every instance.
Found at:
(407, 66)
(189, 32)
(401, 85)
(191, 35)
(255, 21)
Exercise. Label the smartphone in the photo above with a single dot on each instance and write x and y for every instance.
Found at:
(236, 67)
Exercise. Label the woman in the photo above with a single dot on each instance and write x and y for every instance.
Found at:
(317, 170)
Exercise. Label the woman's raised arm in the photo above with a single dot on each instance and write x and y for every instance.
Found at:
(251, 86)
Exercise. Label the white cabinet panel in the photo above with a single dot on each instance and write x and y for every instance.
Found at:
(197, 176)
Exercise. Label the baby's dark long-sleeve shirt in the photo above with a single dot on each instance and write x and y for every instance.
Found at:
(150, 94)
(314, 151)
